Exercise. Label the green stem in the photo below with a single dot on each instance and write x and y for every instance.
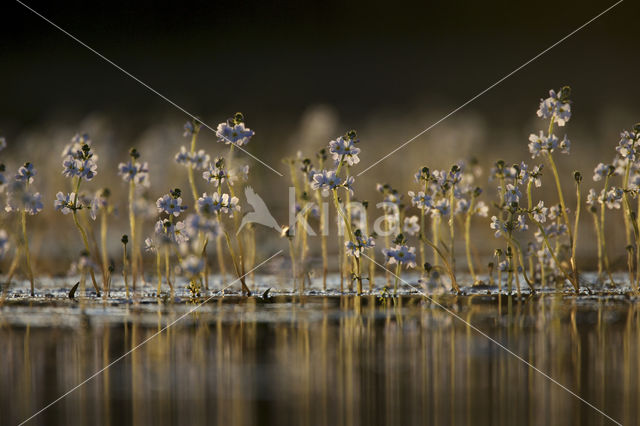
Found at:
(235, 262)
(452, 228)
(132, 225)
(438, 252)
(83, 234)
(124, 270)
(26, 251)
(603, 235)
(467, 238)
(395, 283)
(159, 270)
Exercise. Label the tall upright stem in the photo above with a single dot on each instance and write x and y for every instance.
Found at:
(125, 273)
(452, 229)
(103, 249)
(134, 244)
(26, 250)
(83, 234)
(467, 238)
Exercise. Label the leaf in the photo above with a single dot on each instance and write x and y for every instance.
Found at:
(265, 295)
(72, 292)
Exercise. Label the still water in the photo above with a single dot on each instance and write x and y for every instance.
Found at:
(316, 360)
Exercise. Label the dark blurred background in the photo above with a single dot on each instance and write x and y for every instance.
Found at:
(304, 72)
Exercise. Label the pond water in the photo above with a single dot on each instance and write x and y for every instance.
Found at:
(321, 359)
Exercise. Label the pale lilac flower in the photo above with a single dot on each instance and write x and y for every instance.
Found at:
(326, 181)
(134, 171)
(170, 205)
(462, 206)
(348, 184)
(601, 171)
(71, 167)
(420, 200)
(535, 175)
(344, 149)
(74, 149)
(200, 160)
(481, 209)
(64, 202)
(565, 145)
(362, 242)
(539, 144)
(150, 245)
(556, 108)
(411, 225)
(626, 145)
(592, 198)
(401, 254)
(239, 173)
(521, 223)
(236, 134)
(512, 194)
(197, 224)
(172, 232)
(87, 169)
(498, 226)
(613, 198)
(540, 212)
(189, 129)
(441, 208)
(217, 203)
(183, 157)
(26, 173)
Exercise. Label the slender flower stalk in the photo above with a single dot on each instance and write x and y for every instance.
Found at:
(577, 176)
(125, 263)
(467, 234)
(136, 174)
(286, 233)
(23, 216)
(322, 156)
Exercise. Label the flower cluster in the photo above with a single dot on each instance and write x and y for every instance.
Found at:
(20, 196)
(171, 203)
(234, 132)
(216, 204)
(328, 180)
(343, 149)
(360, 244)
(78, 160)
(134, 171)
(401, 254)
(556, 107)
